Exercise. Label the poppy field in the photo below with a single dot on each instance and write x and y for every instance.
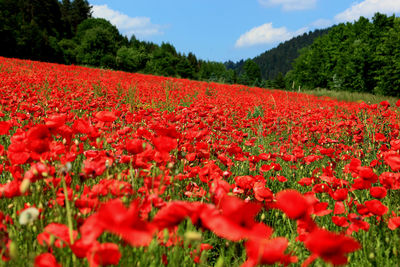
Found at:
(100, 167)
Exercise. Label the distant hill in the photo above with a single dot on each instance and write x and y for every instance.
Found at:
(280, 59)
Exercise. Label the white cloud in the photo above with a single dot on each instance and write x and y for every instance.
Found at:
(368, 8)
(139, 26)
(322, 23)
(266, 34)
(289, 5)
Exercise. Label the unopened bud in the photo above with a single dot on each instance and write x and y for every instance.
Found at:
(371, 255)
(220, 262)
(13, 250)
(24, 186)
(52, 239)
(192, 236)
(170, 165)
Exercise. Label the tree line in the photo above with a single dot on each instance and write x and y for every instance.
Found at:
(363, 56)
(276, 62)
(65, 32)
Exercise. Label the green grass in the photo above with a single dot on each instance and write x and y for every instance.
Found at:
(351, 96)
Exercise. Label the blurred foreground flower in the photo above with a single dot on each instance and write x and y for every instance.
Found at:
(28, 216)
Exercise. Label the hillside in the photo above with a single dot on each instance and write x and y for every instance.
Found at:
(280, 58)
(362, 56)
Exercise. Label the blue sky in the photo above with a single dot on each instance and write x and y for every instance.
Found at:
(222, 30)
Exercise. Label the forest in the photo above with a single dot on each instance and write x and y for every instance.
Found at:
(278, 61)
(65, 32)
(363, 56)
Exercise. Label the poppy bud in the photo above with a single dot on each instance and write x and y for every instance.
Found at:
(13, 250)
(220, 262)
(371, 255)
(24, 186)
(192, 236)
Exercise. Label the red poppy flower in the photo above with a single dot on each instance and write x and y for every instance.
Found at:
(393, 160)
(115, 218)
(261, 192)
(378, 192)
(82, 247)
(331, 247)
(134, 146)
(174, 213)
(380, 137)
(385, 104)
(292, 203)
(267, 251)
(4, 127)
(106, 116)
(55, 121)
(376, 207)
(82, 126)
(339, 208)
(235, 221)
(60, 231)
(340, 194)
(164, 144)
(340, 221)
(321, 209)
(10, 189)
(38, 139)
(394, 223)
(18, 153)
(104, 254)
(95, 166)
(46, 260)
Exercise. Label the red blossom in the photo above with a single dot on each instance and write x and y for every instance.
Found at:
(293, 204)
(164, 144)
(268, 251)
(134, 146)
(60, 231)
(106, 116)
(331, 247)
(4, 127)
(376, 207)
(393, 160)
(378, 192)
(104, 254)
(46, 260)
(394, 223)
(115, 218)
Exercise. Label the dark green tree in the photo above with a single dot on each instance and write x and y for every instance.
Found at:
(80, 11)
(388, 58)
(279, 81)
(66, 18)
(69, 50)
(97, 48)
(184, 69)
(252, 73)
(132, 59)
(163, 61)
